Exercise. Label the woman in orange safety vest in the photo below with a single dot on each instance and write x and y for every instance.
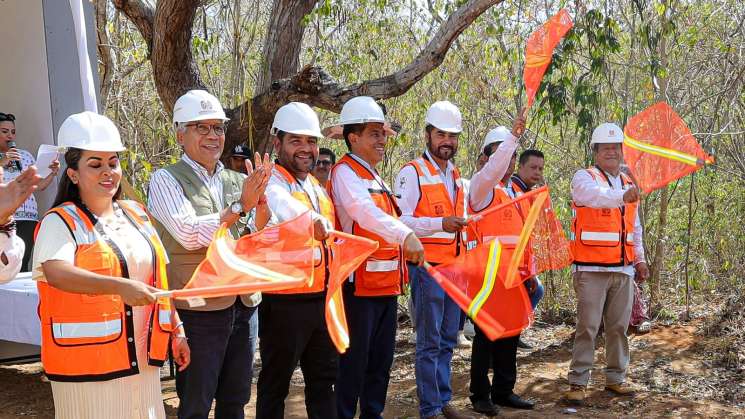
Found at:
(98, 263)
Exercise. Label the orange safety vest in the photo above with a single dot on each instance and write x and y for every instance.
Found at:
(383, 273)
(505, 224)
(603, 236)
(91, 337)
(320, 251)
(434, 201)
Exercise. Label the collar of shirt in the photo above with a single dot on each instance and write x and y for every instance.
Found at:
(200, 170)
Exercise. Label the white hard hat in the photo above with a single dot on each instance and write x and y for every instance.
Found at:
(445, 116)
(197, 105)
(297, 118)
(497, 135)
(361, 110)
(607, 133)
(89, 131)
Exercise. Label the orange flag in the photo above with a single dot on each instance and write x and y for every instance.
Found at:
(659, 148)
(485, 280)
(275, 258)
(551, 249)
(347, 253)
(540, 48)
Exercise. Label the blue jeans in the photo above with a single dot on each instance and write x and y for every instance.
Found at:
(222, 345)
(537, 295)
(437, 319)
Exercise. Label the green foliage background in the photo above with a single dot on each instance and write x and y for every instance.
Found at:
(621, 57)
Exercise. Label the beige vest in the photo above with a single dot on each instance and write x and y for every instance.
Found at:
(183, 262)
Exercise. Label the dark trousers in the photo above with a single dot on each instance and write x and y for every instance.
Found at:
(364, 369)
(25, 230)
(222, 346)
(293, 330)
(502, 356)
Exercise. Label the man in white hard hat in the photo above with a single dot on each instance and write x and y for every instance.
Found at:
(366, 207)
(292, 323)
(491, 187)
(607, 247)
(431, 197)
(190, 199)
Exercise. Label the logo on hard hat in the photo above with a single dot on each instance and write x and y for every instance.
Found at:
(612, 132)
(206, 105)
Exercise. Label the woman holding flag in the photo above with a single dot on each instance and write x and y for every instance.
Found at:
(98, 262)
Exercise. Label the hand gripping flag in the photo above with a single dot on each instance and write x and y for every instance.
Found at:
(347, 253)
(540, 48)
(659, 148)
(275, 258)
(485, 280)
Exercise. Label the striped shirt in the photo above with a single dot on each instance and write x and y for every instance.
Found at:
(168, 204)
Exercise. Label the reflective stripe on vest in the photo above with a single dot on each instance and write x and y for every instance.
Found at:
(87, 332)
(603, 236)
(383, 274)
(381, 265)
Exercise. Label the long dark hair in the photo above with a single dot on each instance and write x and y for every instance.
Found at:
(68, 191)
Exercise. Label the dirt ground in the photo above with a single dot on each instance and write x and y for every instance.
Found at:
(672, 364)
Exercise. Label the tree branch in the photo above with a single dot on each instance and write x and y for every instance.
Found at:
(316, 87)
(283, 42)
(105, 54)
(142, 15)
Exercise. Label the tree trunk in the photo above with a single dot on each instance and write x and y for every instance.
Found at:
(168, 32)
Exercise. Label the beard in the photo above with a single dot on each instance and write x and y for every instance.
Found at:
(443, 152)
(295, 164)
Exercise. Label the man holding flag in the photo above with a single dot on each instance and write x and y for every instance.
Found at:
(191, 199)
(291, 322)
(491, 187)
(432, 205)
(608, 251)
(366, 207)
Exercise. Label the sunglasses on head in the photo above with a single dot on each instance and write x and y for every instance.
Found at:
(7, 117)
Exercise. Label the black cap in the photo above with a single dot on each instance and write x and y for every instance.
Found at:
(242, 151)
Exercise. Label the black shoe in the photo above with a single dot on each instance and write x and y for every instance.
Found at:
(523, 346)
(485, 407)
(515, 401)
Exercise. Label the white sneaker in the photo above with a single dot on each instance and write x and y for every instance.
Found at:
(463, 341)
(468, 329)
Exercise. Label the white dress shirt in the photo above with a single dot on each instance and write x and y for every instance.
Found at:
(12, 248)
(484, 181)
(285, 207)
(407, 190)
(587, 192)
(168, 204)
(354, 204)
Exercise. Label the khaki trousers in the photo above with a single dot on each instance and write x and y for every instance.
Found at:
(606, 296)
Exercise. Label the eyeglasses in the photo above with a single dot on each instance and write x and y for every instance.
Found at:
(204, 129)
(7, 117)
(323, 163)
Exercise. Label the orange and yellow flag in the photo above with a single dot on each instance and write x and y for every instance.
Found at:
(540, 48)
(659, 148)
(486, 281)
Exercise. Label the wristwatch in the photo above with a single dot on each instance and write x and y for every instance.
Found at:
(237, 208)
